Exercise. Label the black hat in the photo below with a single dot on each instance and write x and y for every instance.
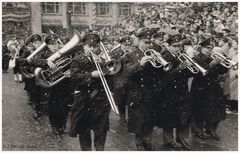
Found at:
(50, 39)
(174, 39)
(64, 39)
(205, 42)
(91, 39)
(159, 35)
(126, 40)
(145, 34)
(35, 37)
(28, 41)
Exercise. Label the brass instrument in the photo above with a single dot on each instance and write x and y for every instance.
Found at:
(112, 66)
(224, 60)
(51, 77)
(105, 85)
(27, 71)
(116, 47)
(127, 51)
(156, 59)
(193, 67)
(58, 38)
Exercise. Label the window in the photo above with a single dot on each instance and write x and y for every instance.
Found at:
(124, 9)
(77, 8)
(50, 7)
(102, 8)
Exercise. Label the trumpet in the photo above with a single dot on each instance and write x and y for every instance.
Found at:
(193, 67)
(157, 60)
(105, 85)
(225, 61)
(113, 66)
(127, 51)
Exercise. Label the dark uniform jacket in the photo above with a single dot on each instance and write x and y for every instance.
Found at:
(5, 57)
(90, 108)
(174, 107)
(139, 94)
(207, 95)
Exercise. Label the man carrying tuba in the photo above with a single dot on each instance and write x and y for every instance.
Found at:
(60, 94)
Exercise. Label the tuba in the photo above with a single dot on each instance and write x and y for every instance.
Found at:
(27, 71)
(51, 77)
(193, 66)
(157, 60)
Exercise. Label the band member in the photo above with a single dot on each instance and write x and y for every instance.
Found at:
(140, 76)
(14, 47)
(5, 58)
(90, 110)
(29, 82)
(37, 91)
(60, 94)
(119, 81)
(174, 107)
(207, 95)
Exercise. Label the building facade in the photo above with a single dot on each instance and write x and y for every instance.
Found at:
(37, 17)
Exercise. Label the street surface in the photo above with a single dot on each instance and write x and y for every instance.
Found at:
(21, 132)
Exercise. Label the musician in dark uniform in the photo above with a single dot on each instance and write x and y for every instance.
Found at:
(119, 82)
(140, 76)
(5, 58)
(207, 95)
(37, 91)
(29, 82)
(174, 106)
(90, 110)
(60, 94)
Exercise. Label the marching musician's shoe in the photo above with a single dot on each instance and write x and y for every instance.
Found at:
(202, 136)
(184, 144)
(174, 146)
(29, 102)
(37, 116)
(213, 135)
(122, 120)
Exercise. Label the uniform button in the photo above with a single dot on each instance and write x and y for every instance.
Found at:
(174, 81)
(142, 85)
(209, 84)
(88, 91)
(141, 79)
(175, 87)
(88, 85)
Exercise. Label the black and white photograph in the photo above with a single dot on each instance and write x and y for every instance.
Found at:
(119, 76)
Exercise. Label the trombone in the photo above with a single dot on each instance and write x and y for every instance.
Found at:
(105, 85)
(224, 60)
(58, 38)
(113, 66)
(156, 59)
(193, 67)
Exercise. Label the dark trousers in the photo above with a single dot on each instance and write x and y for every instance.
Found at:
(16, 69)
(37, 94)
(122, 110)
(58, 113)
(86, 141)
(143, 139)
